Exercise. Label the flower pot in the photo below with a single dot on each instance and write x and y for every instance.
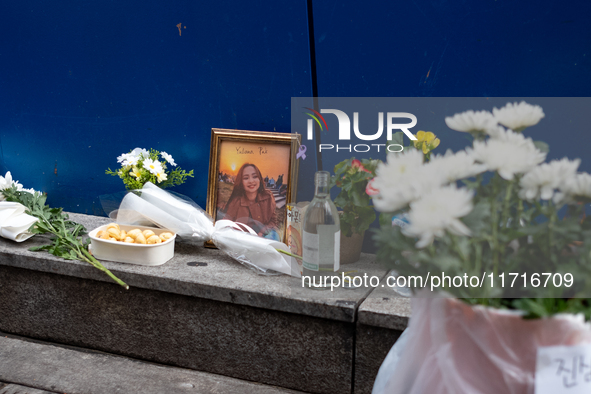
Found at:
(452, 347)
(351, 248)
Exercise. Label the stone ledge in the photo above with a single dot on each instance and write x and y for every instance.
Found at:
(385, 308)
(381, 318)
(299, 352)
(206, 317)
(220, 278)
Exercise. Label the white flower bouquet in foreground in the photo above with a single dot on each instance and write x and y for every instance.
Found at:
(66, 236)
(495, 210)
(141, 166)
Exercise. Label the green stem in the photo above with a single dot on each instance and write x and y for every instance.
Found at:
(86, 256)
(551, 222)
(289, 254)
(506, 203)
(477, 257)
(456, 246)
(519, 213)
(83, 254)
(494, 224)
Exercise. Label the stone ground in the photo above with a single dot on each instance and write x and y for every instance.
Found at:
(34, 367)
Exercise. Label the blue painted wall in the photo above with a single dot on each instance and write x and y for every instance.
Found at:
(83, 81)
(444, 48)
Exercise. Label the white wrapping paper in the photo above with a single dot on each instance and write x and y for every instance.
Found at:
(189, 220)
(14, 222)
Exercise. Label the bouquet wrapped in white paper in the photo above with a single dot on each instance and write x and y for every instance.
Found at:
(188, 220)
(14, 222)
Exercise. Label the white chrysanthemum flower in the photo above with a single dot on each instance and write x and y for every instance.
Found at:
(543, 180)
(401, 180)
(153, 166)
(574, 189)
(6, 182)
(168, 158)
(518, 116)
(161, 176)
(497, 132)
(438, 211)
(471, 121)
(32, 191)
(509, 154)
(3, 182)
(3, 185)
(455, 166)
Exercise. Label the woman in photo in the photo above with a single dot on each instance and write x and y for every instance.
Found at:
(251, 203)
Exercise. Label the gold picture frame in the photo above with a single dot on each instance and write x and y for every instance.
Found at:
(268, 156)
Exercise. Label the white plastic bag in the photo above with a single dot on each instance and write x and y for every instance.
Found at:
(450, 347)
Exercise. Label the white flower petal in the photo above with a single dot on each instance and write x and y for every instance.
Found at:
(518, 116)
(438, 211)
(168, 158)
(543, 180)
(471, 121)
(509, 154)
(576, 188)
(153, 166)
(455, 166)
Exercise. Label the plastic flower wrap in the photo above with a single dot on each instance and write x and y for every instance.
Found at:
(141, 166)
(189, 221)
(14, 222)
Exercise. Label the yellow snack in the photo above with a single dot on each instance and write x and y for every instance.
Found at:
(140, 239)
(114, 232)
(148, 233)
(129, 240)
(104, 235)
(154, 239)
(134, 233)
(166, 236)
(99, 233)
(123, 235)
(113, 225)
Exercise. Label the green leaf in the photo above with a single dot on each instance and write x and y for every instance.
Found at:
(38, 248)
(397, 138)
(542, 146)
(478, 220)
(66, 240)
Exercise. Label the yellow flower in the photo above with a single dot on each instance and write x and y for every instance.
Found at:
(427, 141)
(161, 176)
(136, 172)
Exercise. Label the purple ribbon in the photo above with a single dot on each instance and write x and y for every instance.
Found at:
(302, 152)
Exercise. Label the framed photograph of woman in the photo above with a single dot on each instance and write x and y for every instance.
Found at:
(251, 179)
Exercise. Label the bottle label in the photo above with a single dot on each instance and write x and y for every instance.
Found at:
(337, 250)
(321, 252)
(311, 254)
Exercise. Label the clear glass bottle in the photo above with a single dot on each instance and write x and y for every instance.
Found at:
(322, 235)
